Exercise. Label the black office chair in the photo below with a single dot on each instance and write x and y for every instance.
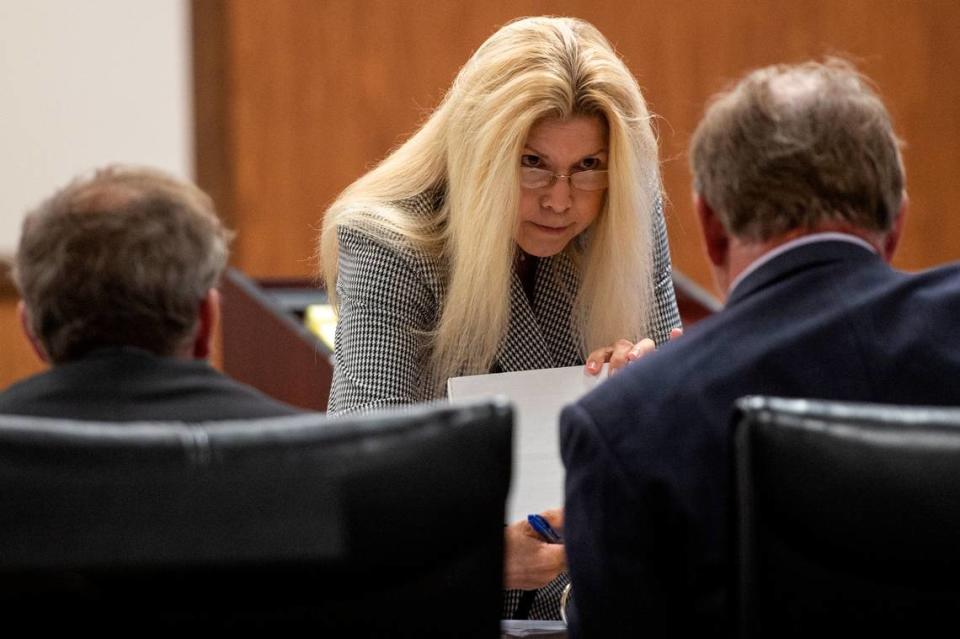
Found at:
(385, 525)
(848, 518)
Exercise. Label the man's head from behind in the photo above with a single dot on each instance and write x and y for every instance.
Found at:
(799, 148)
(127, 257)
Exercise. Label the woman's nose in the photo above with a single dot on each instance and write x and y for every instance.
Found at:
(558, 196)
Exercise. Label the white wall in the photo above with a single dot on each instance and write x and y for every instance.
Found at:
(85, 83)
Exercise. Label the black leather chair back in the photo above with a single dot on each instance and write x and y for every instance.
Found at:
(848, 518)
(385, 525)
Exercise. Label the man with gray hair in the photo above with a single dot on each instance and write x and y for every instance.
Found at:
(118, 274)
(800, 193)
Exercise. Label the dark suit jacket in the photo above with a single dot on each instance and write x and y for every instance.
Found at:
(127, 384)
(648, 453)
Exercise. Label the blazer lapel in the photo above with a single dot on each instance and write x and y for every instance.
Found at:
(558, 281)
(524, 347)
(542, 337)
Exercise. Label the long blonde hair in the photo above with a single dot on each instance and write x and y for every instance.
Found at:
(469, 149)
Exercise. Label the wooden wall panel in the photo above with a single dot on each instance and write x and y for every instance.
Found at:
(314, 92)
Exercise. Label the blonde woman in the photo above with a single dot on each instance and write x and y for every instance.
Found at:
(519, 228)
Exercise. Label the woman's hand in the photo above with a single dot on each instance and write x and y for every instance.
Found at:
(623, 352)
(529, 562)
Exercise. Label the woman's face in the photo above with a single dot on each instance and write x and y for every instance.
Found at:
(554, 214)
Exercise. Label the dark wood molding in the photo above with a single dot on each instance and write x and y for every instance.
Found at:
(694, 302)
(7, 289)
(213, 166)
(264, 346)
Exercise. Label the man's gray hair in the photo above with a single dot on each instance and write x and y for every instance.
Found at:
(794, 147)
(120, 258)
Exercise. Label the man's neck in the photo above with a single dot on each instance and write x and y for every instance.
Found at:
(745, 253)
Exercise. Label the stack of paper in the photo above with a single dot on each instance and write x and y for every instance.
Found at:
(538, 397)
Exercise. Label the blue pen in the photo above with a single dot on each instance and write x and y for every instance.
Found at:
(544, 529)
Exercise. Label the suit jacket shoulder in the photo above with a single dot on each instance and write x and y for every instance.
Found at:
(132, 385)
(648, 452)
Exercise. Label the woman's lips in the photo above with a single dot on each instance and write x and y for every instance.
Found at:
(551, 230)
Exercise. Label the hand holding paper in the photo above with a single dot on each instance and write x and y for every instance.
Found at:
(538, 397)
(623, 352)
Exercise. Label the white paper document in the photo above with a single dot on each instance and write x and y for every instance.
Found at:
(538, 397)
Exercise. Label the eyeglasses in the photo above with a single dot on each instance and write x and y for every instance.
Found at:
(534, 178)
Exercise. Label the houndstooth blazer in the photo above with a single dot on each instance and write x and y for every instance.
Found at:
(390, 300)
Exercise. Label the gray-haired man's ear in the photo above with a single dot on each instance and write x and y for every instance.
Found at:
(715, 237)
(892, 239)
(207, 320)
(24, 316)
(716, 241)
